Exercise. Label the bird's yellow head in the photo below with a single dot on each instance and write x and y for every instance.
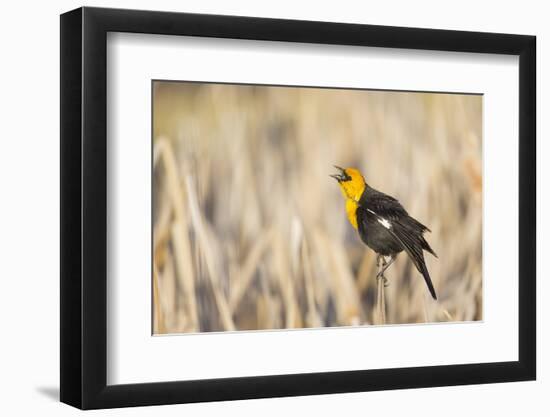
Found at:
(351, 182)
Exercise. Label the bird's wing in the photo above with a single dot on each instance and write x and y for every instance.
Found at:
(391, 209)
(408, 234)
(385, 206)
(387, 210)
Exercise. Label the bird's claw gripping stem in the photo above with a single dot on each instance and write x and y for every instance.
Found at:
(381, 276)
(381, 263)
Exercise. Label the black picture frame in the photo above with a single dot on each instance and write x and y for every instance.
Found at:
(84, 207)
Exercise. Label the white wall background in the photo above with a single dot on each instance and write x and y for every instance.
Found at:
(29, 212)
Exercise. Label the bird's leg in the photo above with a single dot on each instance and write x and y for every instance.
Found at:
(381, 265)
(379, 259)
(385, 265)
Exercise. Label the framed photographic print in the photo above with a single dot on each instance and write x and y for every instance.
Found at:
(257, 207)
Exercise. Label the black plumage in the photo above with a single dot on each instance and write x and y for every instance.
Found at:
(386, 227)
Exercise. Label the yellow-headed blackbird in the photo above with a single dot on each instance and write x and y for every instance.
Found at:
(383, 224)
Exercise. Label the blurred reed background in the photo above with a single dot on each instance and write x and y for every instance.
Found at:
(250, 232)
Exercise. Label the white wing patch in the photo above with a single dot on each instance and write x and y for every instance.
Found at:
(381, 220)
(384, 222)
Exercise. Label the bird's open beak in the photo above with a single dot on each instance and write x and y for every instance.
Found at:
(341, 176)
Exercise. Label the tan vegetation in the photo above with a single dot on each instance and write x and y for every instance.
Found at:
(250, 232)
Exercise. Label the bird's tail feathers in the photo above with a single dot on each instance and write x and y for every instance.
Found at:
(426, 275)
(414, 245)
(426, 246)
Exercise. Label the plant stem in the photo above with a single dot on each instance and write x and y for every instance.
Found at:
(380, 293)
